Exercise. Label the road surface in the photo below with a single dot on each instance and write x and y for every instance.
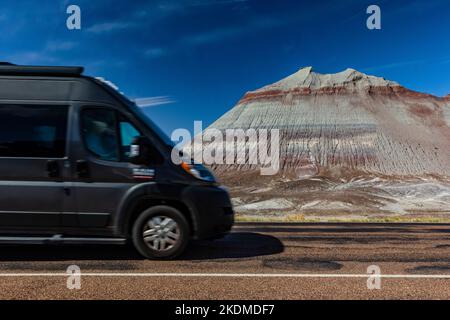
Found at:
(256, 261)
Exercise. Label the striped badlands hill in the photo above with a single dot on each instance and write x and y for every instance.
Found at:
(349, 141)
(349, 120)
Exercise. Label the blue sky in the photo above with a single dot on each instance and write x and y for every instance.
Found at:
(205, 54)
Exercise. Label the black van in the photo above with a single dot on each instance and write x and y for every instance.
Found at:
(80, 163)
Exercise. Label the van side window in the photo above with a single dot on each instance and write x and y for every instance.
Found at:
(127, 133)
(100, 133)
(33, 131)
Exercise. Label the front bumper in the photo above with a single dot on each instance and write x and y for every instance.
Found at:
(212, 211)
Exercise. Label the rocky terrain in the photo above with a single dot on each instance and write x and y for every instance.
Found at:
(351, 144)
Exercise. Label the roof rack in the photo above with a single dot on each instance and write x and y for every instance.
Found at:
(7, 68)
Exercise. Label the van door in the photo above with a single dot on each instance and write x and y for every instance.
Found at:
(32, 156)
(103, 173)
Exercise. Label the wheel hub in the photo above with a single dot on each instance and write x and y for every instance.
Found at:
(161, 233)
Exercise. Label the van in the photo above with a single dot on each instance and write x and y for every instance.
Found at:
(81, 163)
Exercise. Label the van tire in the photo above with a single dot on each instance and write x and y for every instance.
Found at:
(180, 232)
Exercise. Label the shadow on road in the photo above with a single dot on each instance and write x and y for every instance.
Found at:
(235, 245)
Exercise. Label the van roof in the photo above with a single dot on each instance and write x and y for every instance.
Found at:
(7, 68)
(62, 83)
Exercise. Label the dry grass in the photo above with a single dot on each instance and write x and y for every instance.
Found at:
(302, 218)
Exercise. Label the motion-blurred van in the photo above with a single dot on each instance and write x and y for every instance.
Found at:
(81, 163)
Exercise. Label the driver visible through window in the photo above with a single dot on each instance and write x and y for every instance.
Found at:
(101, 137)
(100, 134)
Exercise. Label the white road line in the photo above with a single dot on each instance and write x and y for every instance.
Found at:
(229, 275)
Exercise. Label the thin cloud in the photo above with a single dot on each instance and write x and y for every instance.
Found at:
(232, 31)
(31, 58)
(215, 2)
(393, 65)
(155, 52)
(60, 45)
(153, 101)
(442, 60)
(109, 26)
(217, 35)
(44, 56)
(171, 6)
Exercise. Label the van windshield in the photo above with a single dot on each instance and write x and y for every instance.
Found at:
(153, 126)
(112, 88)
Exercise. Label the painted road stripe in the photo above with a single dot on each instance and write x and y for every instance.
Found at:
(230, 275)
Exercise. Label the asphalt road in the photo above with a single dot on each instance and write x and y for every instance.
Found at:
(256, 261)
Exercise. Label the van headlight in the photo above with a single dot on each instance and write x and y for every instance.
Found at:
(198, 171)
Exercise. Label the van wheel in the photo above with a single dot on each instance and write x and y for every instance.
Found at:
(160, 232)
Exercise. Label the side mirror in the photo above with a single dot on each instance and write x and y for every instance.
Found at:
(140, 150)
